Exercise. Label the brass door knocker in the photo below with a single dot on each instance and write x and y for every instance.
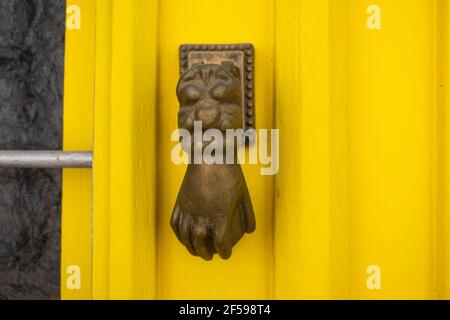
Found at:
(213, 209)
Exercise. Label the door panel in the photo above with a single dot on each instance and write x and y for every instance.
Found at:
(392, 118)
(311, 205)
(249, 272)
(76, 204)
(124, 216)
(358, 209)
(362, 109)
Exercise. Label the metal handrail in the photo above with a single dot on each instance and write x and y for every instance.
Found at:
(45, 159)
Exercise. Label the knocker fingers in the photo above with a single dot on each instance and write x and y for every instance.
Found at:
(222, 241)
(175, 220)
(201, 240)
(185, 233)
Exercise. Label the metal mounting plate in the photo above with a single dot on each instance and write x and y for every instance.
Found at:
(242, 55)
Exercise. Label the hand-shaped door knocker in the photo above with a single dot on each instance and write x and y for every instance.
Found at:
(213, 209)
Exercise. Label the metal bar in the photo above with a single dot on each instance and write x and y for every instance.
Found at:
(45, 159)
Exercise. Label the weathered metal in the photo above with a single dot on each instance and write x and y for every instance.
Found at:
(243, 57)
(213, 209)
(44, 159)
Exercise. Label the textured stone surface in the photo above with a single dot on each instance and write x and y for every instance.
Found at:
(31, 91)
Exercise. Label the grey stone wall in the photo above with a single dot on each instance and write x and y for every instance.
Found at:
(31, 92)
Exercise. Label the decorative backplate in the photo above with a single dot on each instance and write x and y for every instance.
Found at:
(242, 55)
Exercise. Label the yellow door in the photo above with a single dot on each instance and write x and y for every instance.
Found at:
(358, 208)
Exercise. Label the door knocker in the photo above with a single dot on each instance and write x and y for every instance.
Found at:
(213, 209)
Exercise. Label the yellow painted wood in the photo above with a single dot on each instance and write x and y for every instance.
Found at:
(364, 132)
(391, 156)
(311, 188)
(123, 254)
(102, 167)
(248, 274)
(339, 157)
(78, 124)
(439, 151)
(124, 229)
(444, 96)
(368, 151)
